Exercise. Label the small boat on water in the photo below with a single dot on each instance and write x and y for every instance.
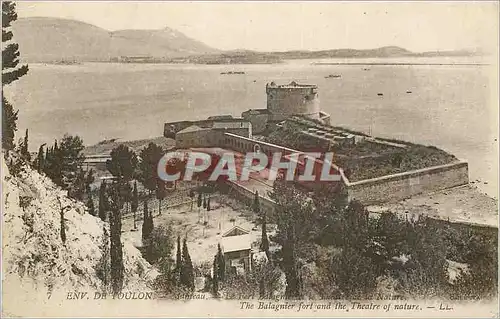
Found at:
(233, 72)
(333, 76)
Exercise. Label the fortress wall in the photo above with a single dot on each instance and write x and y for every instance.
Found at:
(243, 144)
(294, 100)
(247, 197)
(396, 187)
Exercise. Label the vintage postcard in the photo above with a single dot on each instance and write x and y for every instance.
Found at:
(250, 159)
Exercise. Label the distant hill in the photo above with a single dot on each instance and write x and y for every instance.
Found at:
(247, 56)
(44, 39)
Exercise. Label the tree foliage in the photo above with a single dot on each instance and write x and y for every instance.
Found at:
(161, 193)
(116, 251)
(148, 166)
(221, 264)
(25, 153)
(11, 71)
(187, 270)
(123, 163)
(103, 201)
(40, 159)
(159, 248)
(147, 224)
(9, 124)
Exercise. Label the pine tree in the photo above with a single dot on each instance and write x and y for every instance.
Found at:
(103, 201)
(187, 271)
(10, 73)
(135, 203)
(40, 162)
(148, 166)
(221, 264)
(116, 251)
(215, 279)
(77, 186)
(123, 163)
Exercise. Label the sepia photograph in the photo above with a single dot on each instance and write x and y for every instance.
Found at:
(250, 159)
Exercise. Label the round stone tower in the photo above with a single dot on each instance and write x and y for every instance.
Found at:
(284, 101)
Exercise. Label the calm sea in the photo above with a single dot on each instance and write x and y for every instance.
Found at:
(451, 107)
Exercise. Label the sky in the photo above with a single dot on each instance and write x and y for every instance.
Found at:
(279, 26)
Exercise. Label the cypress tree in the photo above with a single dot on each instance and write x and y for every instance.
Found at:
(89, 179)
(135, 203)
(178, 259)
(90, 204)
(221, 264)
(191, 195)
(24, 148)
(198, 203)
(187, 271)
(116, 252)
(147, 224)
(103, 201)
(292, 290)
(161, 193)
(63, 225)
(40, 167)
(256, 204)
(145, 217)
(264, 245)
(215, 279)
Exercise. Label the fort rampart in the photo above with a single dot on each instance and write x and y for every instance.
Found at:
(400, 186)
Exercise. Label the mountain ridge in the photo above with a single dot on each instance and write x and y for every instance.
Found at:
(47, 39)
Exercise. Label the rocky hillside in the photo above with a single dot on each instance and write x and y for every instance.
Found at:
(44, 39)
(36, 263)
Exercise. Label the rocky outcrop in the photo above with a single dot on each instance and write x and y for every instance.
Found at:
(36, 262)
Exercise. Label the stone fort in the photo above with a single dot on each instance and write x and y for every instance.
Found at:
(299, 103)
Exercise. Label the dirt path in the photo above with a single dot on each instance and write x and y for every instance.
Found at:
(202, 240)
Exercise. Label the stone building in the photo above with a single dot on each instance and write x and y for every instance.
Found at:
(206, 133)
(285, 101)
(236, 245)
